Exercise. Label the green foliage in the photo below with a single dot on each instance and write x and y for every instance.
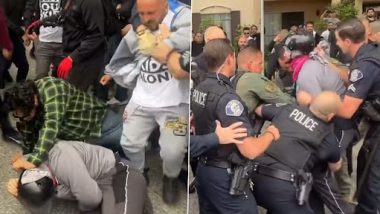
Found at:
(207, 22)
(320, 26)
(344, 10)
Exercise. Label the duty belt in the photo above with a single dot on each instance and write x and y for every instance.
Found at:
(224, 164)
(275, 173)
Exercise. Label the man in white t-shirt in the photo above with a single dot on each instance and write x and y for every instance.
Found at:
(158, 97)
(48, 44)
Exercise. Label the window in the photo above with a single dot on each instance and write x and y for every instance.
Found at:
(219, 19)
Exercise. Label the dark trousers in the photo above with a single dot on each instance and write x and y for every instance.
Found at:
(86, 73)
(4, 119)
(213, 193)
(102, 90)
(326, 192)
(128, 194)
(18, 58)
(369, 195)
(277, 196)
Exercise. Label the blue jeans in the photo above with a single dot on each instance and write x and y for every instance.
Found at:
(112, 127)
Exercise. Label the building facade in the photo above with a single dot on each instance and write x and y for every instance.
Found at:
(226, 13)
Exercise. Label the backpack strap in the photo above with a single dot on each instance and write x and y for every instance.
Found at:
(236, 78)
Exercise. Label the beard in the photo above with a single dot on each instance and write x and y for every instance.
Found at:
(152, 25)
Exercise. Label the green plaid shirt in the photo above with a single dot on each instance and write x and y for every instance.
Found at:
(65, 113)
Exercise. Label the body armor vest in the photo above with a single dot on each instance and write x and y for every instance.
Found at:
(204, 101)
(301, 134)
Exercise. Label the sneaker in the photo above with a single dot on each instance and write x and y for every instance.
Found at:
(116, 102)
(170, 191)
(12, 136)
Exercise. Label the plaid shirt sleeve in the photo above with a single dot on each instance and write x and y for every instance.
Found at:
(54, 102)
(26, 131)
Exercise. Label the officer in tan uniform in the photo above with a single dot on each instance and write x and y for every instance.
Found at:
(253, 87)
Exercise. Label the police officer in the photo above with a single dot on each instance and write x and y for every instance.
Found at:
(314, 75)
(212, 99)
(364, 87)
(283, 171)
(254, 88)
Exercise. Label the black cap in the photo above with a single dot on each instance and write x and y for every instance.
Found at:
(300, 44)
(36, 187)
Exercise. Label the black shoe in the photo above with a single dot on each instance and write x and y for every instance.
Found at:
(12, 136)
(170, 191)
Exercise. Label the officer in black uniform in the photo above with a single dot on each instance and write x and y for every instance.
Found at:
(363, 91)
(282, 175)
(214, 99)
(314, 77)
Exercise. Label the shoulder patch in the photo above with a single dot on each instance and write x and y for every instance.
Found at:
(270, 86)
(234, 108)
(356, 75)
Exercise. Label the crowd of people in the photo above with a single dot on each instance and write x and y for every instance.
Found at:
(75, 146)
(302, 163)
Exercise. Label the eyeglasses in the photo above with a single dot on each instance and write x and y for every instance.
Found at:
(21, 114)
(246, 33)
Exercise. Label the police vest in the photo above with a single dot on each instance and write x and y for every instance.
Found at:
(301, 134)
(204, 100)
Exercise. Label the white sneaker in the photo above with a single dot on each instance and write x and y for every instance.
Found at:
(116, 102)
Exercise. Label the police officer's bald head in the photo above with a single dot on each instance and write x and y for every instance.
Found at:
(214, 32)
(325, 105)
(218, 52)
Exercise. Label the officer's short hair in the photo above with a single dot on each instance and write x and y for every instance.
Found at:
(216, 51)
(352, 29)
(251, 51)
